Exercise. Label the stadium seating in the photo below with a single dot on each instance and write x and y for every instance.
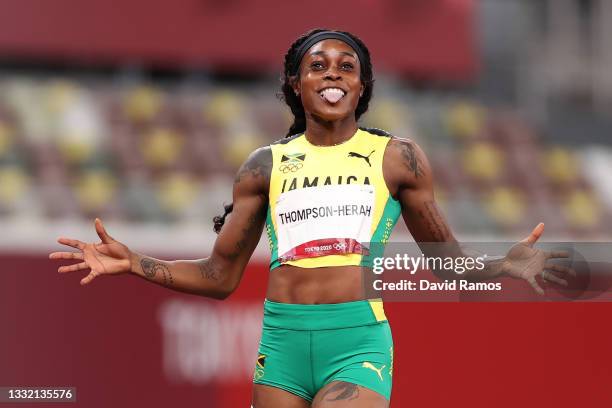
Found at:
(140, 151)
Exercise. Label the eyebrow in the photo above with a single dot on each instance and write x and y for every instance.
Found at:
(350, 54)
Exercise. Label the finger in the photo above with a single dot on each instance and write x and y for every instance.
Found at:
(88, 278)
(534, 284)
(535, 235)
(558, 254)
(66, 255)
(107, 239)
(73, 268)
(560, 268)
(75, 243)
(553, 278)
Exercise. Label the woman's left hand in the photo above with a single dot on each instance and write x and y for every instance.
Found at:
(523, 261)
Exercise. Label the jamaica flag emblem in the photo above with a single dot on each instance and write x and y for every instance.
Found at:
(261, 361)
(292, 162)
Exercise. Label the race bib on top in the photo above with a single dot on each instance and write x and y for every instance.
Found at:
(325, 220)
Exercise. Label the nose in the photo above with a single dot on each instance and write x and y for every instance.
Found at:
(333, 73)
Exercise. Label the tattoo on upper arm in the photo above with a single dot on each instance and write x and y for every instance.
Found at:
(210, 269)
(150, 267)
(259, 165)
(247, 232)
(434, 220)
(342, 390)
(409, 158)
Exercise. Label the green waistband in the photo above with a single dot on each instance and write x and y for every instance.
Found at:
(324, 316)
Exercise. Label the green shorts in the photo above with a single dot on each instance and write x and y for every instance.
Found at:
(305, 347)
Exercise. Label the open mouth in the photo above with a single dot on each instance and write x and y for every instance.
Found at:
(332, 95)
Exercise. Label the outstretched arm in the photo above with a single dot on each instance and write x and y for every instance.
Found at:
(410, 180)
(216, 276)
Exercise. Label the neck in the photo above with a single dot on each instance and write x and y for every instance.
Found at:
(328, 133)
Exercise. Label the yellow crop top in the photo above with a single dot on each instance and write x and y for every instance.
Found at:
(328, 204)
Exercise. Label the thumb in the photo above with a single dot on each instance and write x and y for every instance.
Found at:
(534, 236)
(106, 239)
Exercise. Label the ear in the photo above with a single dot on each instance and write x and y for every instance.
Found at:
(361, 91)
(297, 88)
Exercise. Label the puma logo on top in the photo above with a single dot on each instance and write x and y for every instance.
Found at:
(371, 366)
(366, 158)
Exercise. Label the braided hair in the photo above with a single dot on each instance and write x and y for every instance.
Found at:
(295, 103)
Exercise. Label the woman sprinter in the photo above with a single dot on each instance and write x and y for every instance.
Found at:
(322, 194)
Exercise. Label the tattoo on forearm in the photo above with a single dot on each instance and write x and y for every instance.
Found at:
(260, 165)
(210, 269)
(409, 157)
(435, 221)
(168, 280)
(150, 267)
(343, 391)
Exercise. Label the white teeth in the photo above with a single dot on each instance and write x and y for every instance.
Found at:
(332, 95)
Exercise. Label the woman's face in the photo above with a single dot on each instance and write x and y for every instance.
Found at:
(329, 82)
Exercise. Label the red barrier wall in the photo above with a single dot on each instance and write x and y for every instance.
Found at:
(432, 38)
(124, 342)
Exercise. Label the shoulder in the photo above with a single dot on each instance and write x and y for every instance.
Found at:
(261, 158)
(260, 155)
(254, 174)
(256, 170)
(401, 153)
(406, 153)
(395, 145)
(405, 165)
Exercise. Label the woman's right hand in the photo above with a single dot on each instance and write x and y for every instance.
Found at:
(104, 258)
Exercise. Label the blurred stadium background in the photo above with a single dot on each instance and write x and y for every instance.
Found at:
(141, 114)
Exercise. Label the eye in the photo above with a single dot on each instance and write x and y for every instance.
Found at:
(347, 66)
(316, 65)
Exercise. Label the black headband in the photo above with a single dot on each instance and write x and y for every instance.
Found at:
(325, 35)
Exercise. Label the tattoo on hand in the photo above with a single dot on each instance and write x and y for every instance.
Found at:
(345, 390)
(210, 270)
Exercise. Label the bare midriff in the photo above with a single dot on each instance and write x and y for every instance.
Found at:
(292, 284)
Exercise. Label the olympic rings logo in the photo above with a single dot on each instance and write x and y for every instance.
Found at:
(290, 167)
(339, 246)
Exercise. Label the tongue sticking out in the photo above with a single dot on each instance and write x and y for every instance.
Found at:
(332, 95)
